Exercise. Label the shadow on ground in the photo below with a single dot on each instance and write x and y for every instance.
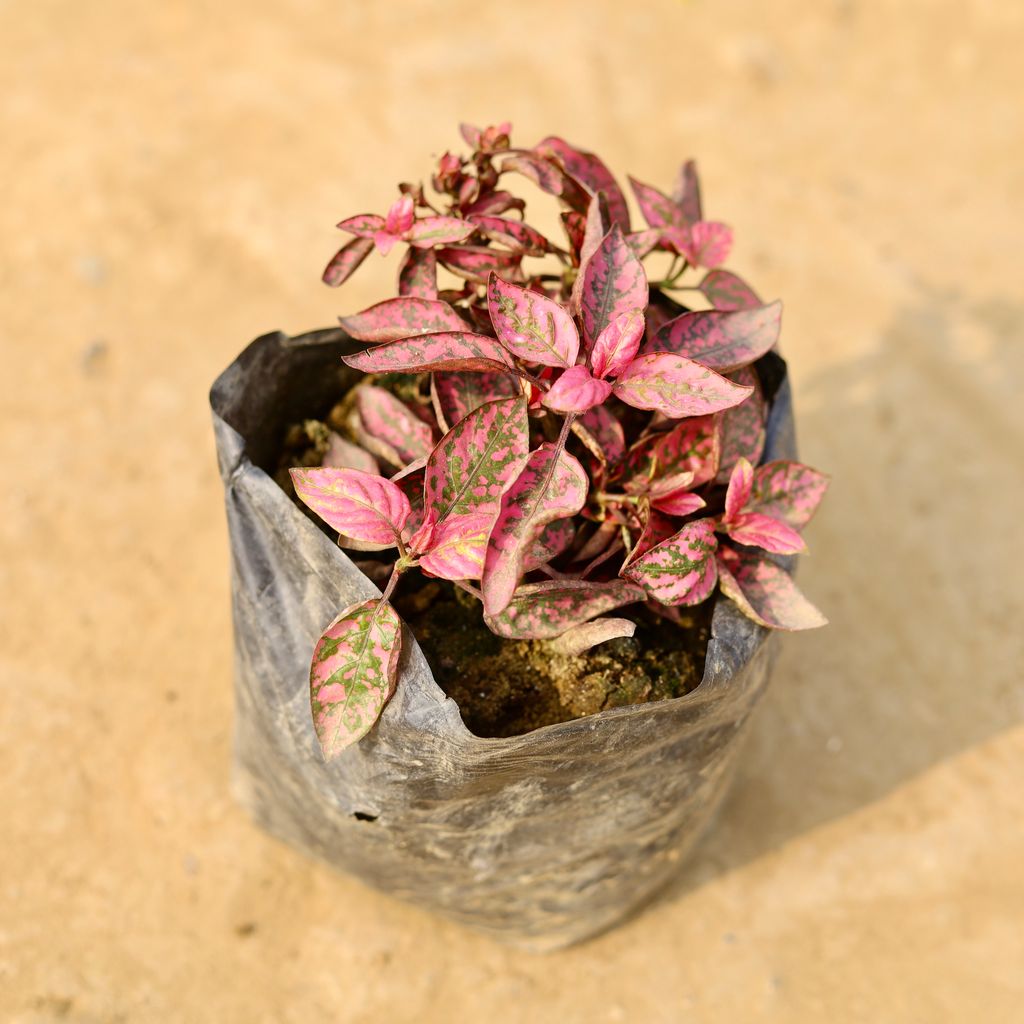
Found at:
(924, 657)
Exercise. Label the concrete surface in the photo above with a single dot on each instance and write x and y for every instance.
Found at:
(171, 175)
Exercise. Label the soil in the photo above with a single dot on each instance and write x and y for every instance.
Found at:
(508, 687)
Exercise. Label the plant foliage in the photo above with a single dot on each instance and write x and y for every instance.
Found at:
(575, 440)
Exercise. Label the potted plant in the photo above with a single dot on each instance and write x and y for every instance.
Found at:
(545, 467)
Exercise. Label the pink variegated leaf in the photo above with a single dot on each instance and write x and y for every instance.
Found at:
(760, 531)
(475, 262)
(456, 350)
(399, 219)
(542, 611)
(687, 193)
(679, 503)
(354, 673)
(346, 261)
(363, 225)
(471, 134)
(532, 326)
(417, 276)
(595, 227)
(511, 233)
(742, 427)
(575, 225)
(689, 447)
(601, 424)
(586, 635)
(655, 527)
(592, 172)
(430, 231)
(741, 483)
(576, 390)
(616, 346)
(554, 539)
(680, 570)
(788, 491)
(614, 282)
(342, 454)
(643, 242)
(476, 460)
(721, 340)
(549, 177)
(456, 395)
(676, 387)
(704, 244)
(765, 592)
(727, 292)
(410, 482)
(388, 420)
(457, 546)
(551, 485)
(659, 211)
(494, 204)
(404, 317)
(359, 505)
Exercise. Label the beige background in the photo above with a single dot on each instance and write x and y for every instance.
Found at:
(171, 176)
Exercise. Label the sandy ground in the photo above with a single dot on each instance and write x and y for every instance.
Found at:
(172, 173)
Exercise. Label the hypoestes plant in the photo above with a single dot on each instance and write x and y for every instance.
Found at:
(566, 439)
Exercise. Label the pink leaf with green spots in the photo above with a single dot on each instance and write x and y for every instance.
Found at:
(592, 172)
(576, 391)
(721, 340)
(532, 326)
(457, 546)
(346, 261)
(741, 483)
(765, 592)
(551, 485)
(618, 344)
(676, 387)
(687, 193)
(404, 317)
(586, 635)
(659, 211)
(643, 242)
(614, 282)
(353, 674)
(761, 531)
(689, 447)
(359, 505)
(342, 454)
(475, 262)
(595, 227)
(430, 231)
(542, 611)
(456, 395)
(743, 427)
(456, 350)
(417, 276)
(554, 539)
(727, 292)
(655, 527)
(476, 460)
(788, 491)
(680, 570)
(363, 225)
(388, 420)
(512, 233)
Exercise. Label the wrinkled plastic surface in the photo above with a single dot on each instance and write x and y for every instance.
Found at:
(539, 840)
